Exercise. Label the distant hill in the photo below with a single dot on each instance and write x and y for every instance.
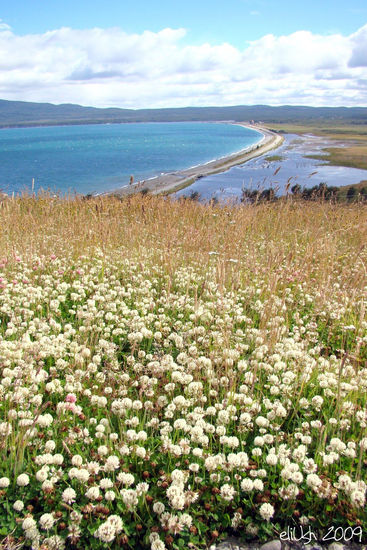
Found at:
(21, 113)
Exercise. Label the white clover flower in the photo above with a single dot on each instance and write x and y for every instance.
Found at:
(140, 452)
(68, 495)
(106, 483)
(130, 498)
(178, 476)
(50, 446)
(5, 429)
(92, 493)
(358, 498)
(93, 467)
(58, 459)
(82, 475)
(116, 522)
(159, 508)
(262, 422)
(142, 488)
(77, 460)
(47, 485)
(313, 481)
(258, 485)
(28, 523)
(110, 495)
(45, 420)
(309, 466)
(47, 521)
(256, 451)
(125, 478)
(227, 492)
(271, 459)
(4, 482)
(266, 511)
(102, 450)
(18, 505)
(75, 516)
(23, 480)
(236, 520)
(112, 463)
(289, 492)
(157, 544)
(247, 485)
(106, 532)
(42, 474)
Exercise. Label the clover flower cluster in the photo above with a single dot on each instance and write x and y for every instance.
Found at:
(133, 396)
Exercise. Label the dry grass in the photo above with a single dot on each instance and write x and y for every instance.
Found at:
(293, 235)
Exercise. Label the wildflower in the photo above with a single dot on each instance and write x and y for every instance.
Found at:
(47, 521)
(28, 523)
(125, 479)
(158, 508)
(112, 463)
(236, 520)
(68, 495)
(106, 532)
(227, 492)
(18, 505)
(266, 511)
(92, 493)
(54, 543)
(358, 498)
(247, 485)
(157, 544)
(77, 460)
(258, 485)
(4, 482)
(23, 480)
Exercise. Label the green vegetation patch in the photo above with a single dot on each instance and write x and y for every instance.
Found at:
(274, 158)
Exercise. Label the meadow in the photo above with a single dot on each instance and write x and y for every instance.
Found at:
(174, 372)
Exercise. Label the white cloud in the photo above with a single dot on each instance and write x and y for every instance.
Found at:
(108, 67)
(359, 53)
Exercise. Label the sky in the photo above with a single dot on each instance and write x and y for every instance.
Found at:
(163, 53)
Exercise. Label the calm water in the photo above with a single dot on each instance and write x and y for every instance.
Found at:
(262, 173)
(98, 158)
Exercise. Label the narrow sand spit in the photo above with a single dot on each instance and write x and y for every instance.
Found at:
(173, 181)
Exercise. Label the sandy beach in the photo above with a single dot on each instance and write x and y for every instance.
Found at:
(174, 181)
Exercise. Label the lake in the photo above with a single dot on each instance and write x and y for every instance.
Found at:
(102, 157)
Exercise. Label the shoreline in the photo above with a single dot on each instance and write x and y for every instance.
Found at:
(174, 181)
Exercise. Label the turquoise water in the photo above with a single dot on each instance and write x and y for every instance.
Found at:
(102, 157)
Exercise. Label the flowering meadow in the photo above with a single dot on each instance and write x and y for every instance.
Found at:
(173, 373)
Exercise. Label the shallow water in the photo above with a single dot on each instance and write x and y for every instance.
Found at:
(99, 158)
(294, 168)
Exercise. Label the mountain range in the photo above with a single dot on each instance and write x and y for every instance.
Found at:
(22, 113)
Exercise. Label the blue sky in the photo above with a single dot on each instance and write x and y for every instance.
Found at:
(147, 53)
(215, 21)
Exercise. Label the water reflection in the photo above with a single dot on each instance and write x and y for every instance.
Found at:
(293, 168)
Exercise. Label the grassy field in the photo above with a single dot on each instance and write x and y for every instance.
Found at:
(350, 141)
(172, 372)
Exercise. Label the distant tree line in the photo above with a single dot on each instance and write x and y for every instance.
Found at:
(322, 191)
